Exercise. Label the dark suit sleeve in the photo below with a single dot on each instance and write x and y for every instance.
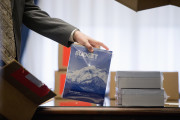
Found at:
(53, 28)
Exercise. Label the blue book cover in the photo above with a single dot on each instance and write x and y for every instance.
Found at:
(87, 74)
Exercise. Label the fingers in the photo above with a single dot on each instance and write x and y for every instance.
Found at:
(87, 41)
(103, 45)
(89, 47)
(97, 44)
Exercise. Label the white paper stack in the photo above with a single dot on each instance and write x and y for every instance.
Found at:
(139, 88)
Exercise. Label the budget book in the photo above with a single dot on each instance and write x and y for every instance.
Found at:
(87, 74)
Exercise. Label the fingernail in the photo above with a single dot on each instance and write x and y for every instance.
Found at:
(91, 50)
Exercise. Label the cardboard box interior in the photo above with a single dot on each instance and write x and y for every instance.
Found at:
(175, 2)
(13, 103)
(138, 5)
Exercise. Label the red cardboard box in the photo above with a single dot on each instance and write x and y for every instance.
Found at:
(60, 77)
(20, 92)
(67, 102)
(63, 57)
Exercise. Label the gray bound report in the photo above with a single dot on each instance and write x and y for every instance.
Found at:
(142, 97)
(138, 79)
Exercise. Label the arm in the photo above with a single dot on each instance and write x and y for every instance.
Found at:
(53, 28)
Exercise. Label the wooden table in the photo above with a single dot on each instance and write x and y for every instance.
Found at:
(106, 113)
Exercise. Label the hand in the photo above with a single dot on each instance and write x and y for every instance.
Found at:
(87, 41)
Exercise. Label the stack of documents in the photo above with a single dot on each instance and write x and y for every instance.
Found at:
(139, 88)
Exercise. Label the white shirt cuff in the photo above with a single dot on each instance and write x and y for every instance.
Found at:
(71, 36)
